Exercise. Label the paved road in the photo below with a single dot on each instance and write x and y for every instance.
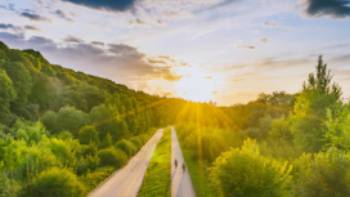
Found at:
(127, 181)
(181, 185)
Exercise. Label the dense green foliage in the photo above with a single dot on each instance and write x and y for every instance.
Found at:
(277, 145)
(62, 132)
(157, 181)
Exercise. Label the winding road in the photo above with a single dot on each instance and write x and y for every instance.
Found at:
(127, 181)
(181, 184)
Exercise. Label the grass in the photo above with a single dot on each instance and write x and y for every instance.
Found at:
(199, 174)
(157, 181)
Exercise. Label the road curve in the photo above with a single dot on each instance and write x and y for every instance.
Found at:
(127, 181)
(181, 184)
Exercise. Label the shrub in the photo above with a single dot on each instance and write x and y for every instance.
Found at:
(92, 179)
(23, 161)
(137, 141)
(67, 118)
(88, 134)
(323, 174)
(49, 119)
(112, 157)
(244, 172)
(128, 147)
(86, 164)
(71, 119)
(8, 187)
(55, 182)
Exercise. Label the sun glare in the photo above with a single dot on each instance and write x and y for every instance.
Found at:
(196, 85)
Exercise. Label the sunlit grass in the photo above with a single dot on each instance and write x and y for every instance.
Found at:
(157, 180)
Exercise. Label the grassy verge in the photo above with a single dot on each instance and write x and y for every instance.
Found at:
(157, 180)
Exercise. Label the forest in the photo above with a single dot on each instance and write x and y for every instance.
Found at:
(63, 132)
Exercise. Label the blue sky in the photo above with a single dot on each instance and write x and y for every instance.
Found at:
(227, 51)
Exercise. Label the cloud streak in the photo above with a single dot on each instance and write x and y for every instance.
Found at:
(7, 26)
(112, 5)
(63, 15)
(33, 16)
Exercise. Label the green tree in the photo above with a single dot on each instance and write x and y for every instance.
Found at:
(7, 95)
(8, 187)
(23, 161)
(128, 147)
(244, 172)
(338, 128)
(88, 134)
(70, 119)
(323, 174)
(45, 91)
(49, 119)
(55, 182)
(112, 157)
(319, 95)
(22, 82)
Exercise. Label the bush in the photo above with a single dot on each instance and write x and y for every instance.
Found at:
(89, 163)
(23, 161)
(112, 157)
(323, 174)
(49, 119)
(88, 134)
(67, 118)
(128, 147)
(137, 141)
(64, 150)
(92, 179)
(55, 182)
(244, 172)
(8, 187)
(71, 119)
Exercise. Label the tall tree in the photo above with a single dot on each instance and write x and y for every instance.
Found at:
(7, 94)
(318, 97)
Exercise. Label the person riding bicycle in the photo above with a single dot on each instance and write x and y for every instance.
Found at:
(175, 163)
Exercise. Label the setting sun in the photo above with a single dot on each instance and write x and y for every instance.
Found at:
(196, 85)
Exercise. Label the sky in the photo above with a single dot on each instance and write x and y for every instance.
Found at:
(225, 51)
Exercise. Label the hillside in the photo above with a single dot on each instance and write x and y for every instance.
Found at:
(54, 121)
